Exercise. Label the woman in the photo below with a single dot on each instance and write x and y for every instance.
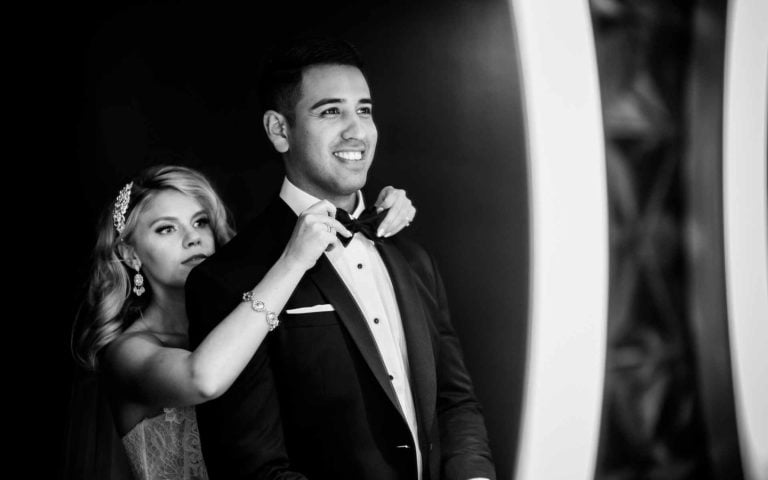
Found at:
(164, 223)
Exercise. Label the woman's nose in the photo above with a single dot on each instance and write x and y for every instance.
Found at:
(192, 238)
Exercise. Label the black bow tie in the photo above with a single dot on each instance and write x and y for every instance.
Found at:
(366, 223)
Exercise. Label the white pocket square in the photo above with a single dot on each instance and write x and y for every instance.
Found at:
(313, 309)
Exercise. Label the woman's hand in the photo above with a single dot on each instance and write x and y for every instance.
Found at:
(400, 214)
(314, 233)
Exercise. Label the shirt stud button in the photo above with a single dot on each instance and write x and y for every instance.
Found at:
(359, 266)
(376, 320)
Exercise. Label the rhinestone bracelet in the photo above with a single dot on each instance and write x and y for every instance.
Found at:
(258, 306)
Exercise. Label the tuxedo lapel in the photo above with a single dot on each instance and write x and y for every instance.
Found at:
(328, 281)
(421, 357)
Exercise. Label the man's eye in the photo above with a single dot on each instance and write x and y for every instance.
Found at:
(330, 111)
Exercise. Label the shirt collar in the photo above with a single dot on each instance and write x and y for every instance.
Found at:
(299, 200)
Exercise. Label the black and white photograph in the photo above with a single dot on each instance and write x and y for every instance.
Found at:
(426, 240)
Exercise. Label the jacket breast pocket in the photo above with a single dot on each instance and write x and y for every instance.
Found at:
(309, 320)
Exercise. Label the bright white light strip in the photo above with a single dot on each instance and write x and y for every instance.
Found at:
(569, 241)
(746, 224)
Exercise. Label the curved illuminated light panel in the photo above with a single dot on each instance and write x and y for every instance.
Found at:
(746, 224)
(569, 241)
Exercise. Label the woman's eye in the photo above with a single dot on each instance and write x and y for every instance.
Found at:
(365, 111)
(165, 229)
(202, 222)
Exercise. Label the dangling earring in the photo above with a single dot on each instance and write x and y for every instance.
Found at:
(138, 284)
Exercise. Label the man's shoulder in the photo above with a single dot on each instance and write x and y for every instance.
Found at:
(411, 249)
(418, 258)
(256, 246)
(256, 232)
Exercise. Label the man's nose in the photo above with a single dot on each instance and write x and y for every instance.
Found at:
(354, 129)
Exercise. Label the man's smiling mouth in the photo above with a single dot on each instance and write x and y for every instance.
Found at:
(349, 155)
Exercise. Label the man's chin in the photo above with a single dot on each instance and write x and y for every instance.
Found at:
(353, 188)
(350, 184)
(352, 172)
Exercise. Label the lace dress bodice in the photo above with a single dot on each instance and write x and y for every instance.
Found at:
(166, 447)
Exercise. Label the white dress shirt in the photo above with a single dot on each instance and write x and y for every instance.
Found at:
(361, 268)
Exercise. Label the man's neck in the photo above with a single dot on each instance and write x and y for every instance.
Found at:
(298, 197)
(347, 203)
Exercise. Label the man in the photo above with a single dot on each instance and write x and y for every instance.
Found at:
(364, 377)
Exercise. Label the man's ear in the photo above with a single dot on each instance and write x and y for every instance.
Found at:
(128, 254)
(276, 126)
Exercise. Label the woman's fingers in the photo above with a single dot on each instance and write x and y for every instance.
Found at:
(333, 243)
(315, 233)
(393, 221)
(325, 212)
(386, 198)
(328, 224)
(339, 227)
(323, 207)
(389, 199)
(400, 211)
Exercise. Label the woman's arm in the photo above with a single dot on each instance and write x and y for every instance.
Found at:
(158, 375)
(223, 354)
(167, 376)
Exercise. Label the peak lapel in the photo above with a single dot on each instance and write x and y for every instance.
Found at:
(421, 356)
(332, 286)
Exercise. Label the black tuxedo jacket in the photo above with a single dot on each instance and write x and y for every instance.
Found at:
(316, 400)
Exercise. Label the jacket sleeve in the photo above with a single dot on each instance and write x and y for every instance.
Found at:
(240, 432)
(463, 436)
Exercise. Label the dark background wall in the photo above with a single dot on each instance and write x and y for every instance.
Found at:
(154, 79)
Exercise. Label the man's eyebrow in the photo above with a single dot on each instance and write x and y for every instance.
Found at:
(326, 101)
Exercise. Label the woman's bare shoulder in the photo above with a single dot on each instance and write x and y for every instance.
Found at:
(130, 347)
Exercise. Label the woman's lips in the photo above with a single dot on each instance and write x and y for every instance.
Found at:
(195, 259)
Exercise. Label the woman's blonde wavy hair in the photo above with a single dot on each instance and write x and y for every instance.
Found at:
(109, 308)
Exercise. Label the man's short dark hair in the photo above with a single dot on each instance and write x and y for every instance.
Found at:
(280, 85)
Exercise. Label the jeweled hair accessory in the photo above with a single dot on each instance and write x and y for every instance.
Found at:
(121, 206)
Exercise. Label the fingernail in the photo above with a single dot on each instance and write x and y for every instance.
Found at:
(379, 232)
(379, 209)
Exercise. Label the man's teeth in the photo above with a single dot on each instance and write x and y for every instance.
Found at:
(349, 155)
